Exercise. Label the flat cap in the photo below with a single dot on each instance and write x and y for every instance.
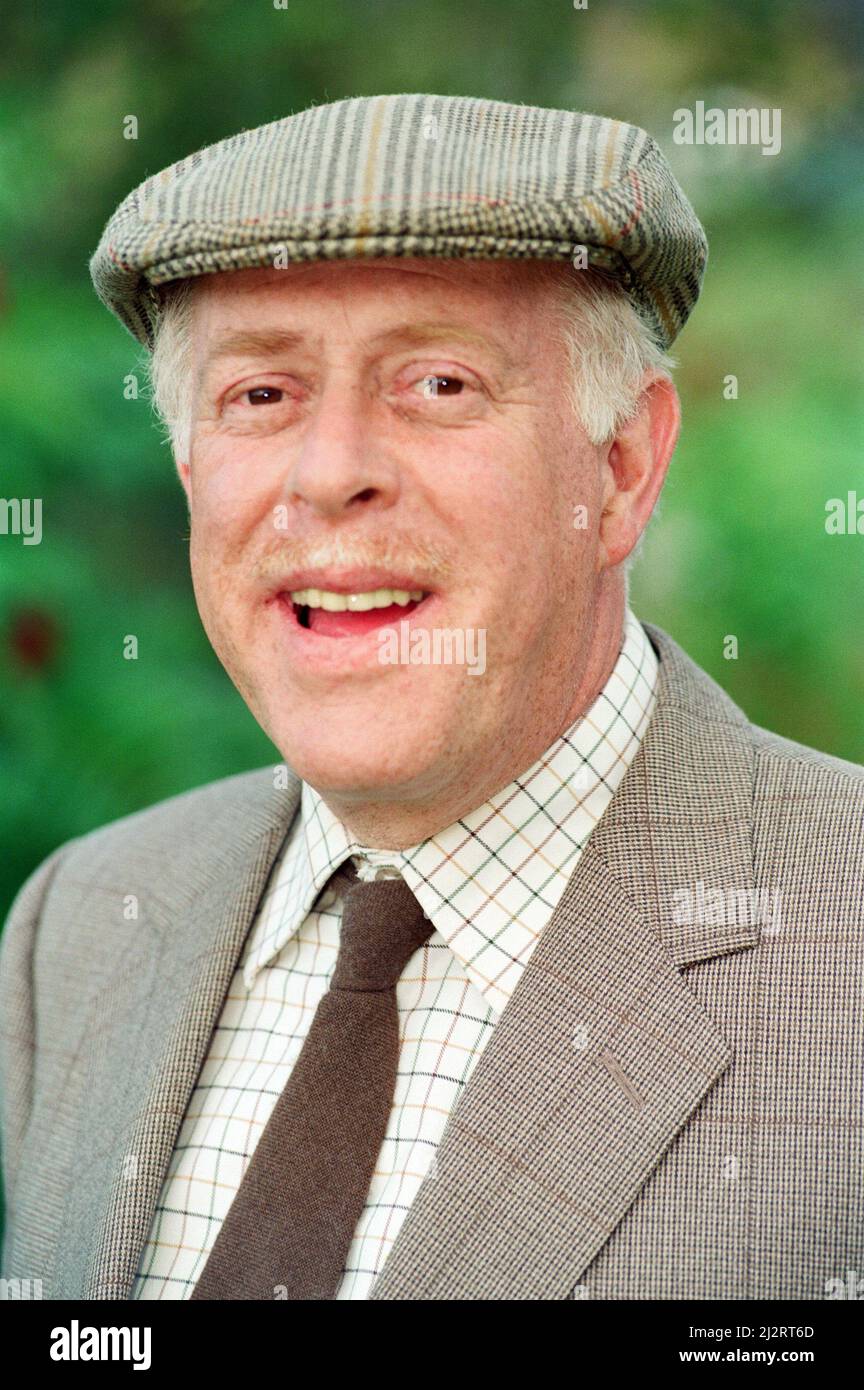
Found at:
(412, 175)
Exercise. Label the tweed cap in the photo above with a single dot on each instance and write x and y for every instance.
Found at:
(412, 175)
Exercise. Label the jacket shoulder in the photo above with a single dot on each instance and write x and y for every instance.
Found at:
(787, 767)
(805, 807)
(231, 808)
(781, 763)
(808, 845)
(188, 808)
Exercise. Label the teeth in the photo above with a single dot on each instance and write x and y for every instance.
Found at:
(354, 603)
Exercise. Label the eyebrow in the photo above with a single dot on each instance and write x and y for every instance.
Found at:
(419, 334)
(251, 342)
(269, 342)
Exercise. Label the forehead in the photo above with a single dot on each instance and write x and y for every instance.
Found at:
(493, 287)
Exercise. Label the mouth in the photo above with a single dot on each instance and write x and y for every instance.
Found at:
(340, 612)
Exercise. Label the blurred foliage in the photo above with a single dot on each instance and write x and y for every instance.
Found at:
(738, 544)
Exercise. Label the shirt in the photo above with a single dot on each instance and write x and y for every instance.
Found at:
(489, 883)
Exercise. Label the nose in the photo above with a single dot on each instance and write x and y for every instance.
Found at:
(342, 463)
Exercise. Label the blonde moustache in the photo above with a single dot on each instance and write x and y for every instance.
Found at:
(400, 554)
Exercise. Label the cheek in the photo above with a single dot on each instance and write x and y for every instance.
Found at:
(230, 501)
(515, 509)
(223, 506)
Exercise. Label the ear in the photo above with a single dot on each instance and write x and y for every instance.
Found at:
(184, 473)
(634, 469)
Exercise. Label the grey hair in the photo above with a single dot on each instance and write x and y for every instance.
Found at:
(610, 348)
(170, 365)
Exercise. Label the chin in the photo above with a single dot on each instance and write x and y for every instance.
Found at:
(352, 757)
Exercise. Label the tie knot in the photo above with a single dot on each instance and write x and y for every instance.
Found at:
(383, 925)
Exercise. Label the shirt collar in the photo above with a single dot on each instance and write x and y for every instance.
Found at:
(491, 881)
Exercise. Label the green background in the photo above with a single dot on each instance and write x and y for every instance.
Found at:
(739, 543)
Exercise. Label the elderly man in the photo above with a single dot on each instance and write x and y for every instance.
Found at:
(534, 970)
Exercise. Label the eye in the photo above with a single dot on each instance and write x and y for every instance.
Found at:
(434, 384)
(264, 395)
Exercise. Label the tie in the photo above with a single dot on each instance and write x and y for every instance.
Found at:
(287, 1232)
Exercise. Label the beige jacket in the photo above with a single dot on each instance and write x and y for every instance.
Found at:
(669, 1107)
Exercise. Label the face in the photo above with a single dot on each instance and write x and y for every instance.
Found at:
(381, 451)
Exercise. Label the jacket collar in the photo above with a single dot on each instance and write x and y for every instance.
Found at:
(683, 815)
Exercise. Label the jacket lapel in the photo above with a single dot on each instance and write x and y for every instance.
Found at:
(603, 1052)
(169, 1002)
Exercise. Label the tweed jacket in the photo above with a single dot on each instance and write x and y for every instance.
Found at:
(670, 1105)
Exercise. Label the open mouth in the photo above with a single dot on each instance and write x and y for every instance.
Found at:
(329, 613)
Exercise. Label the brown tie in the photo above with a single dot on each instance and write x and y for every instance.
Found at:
(287, 1232)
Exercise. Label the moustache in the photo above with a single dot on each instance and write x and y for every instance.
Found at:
(401, 553)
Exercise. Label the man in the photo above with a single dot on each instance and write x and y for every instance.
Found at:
(534, 972)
